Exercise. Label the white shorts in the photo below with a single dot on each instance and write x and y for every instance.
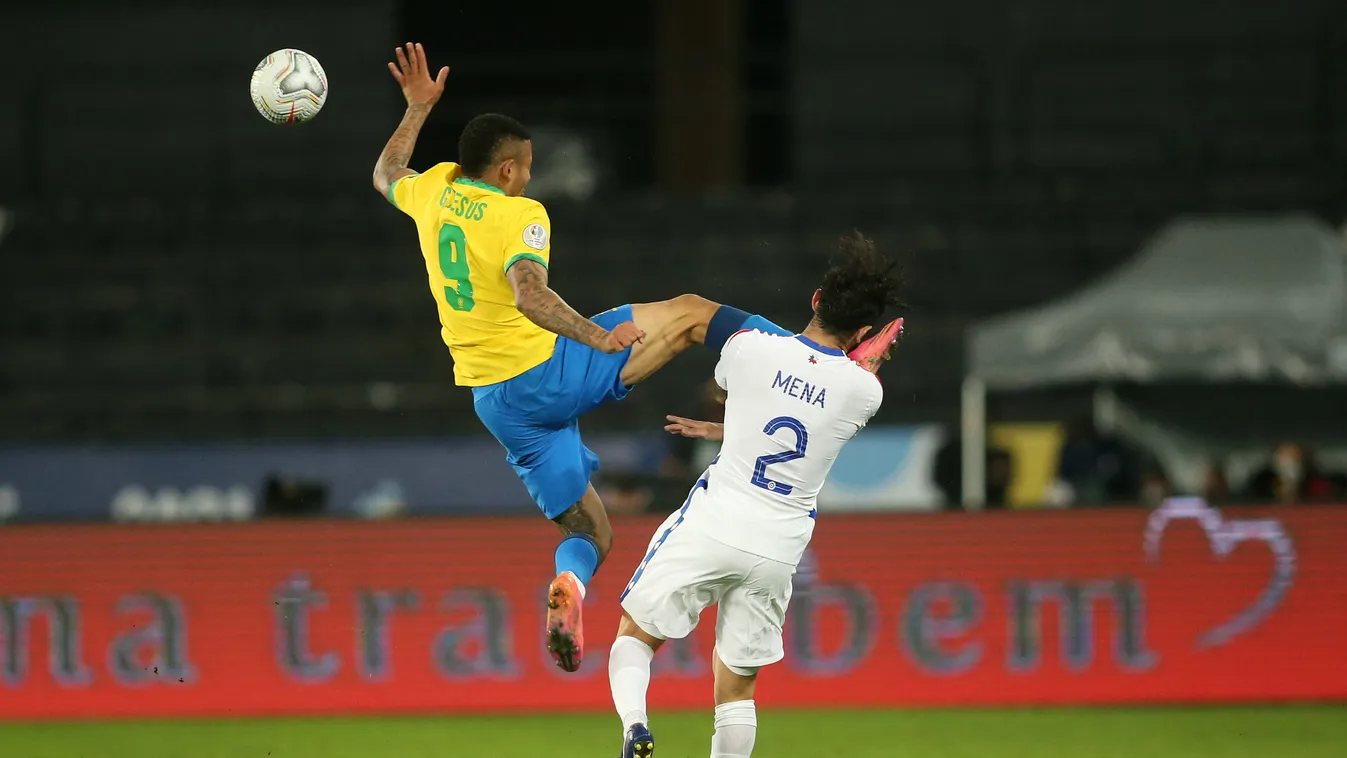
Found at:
(685, 572)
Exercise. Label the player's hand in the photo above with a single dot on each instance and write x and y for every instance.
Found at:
(623, 336)
(702, 430)
(413, 75)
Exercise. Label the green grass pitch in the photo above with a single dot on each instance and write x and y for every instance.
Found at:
(1303, 732)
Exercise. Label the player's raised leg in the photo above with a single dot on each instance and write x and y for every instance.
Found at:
(672, 326)
(736, 713)
(629, 677)
(588, 538)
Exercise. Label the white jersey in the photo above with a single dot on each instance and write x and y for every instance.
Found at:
(792, 405)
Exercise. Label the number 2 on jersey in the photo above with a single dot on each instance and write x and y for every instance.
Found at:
(801, 442)
(454, 266)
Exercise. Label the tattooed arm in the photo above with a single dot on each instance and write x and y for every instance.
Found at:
(545, 308)
(393, 161)
(398, 152)
(412, 74)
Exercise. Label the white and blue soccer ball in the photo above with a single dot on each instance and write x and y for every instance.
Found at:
(289, 87)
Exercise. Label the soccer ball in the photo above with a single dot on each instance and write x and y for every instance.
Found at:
(289, 87)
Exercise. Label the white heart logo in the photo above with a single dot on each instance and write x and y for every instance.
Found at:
(1222, 537)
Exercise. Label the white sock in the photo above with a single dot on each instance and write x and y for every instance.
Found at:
(736, 730)
(629, 677)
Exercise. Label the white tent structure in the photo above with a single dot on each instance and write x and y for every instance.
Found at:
(1218, 300)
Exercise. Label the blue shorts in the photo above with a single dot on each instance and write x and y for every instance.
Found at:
(536, 416)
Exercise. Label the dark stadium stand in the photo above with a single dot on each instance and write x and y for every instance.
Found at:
(239, 302)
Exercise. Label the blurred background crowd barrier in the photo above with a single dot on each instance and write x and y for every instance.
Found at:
(343, 617)
(1128, 284)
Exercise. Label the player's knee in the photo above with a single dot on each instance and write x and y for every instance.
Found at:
(695, 308)
(693, 317)
(734, 683)
(692, 302)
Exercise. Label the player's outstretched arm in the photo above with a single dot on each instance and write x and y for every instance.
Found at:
(545, 308)
(412, 74)
(704, 430)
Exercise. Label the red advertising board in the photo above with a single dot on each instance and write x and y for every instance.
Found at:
(1184, 604)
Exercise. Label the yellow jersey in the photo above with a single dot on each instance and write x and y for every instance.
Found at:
(471, 233)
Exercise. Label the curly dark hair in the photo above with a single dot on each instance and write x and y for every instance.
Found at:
(860, 284)
(482, 139)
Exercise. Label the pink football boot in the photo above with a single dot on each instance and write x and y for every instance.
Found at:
(872, 353)
(565, 635)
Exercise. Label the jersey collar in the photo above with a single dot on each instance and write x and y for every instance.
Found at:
(818, 347)
(478, 185)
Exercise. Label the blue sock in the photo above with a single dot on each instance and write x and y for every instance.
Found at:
(728, 320)
(578, 554)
